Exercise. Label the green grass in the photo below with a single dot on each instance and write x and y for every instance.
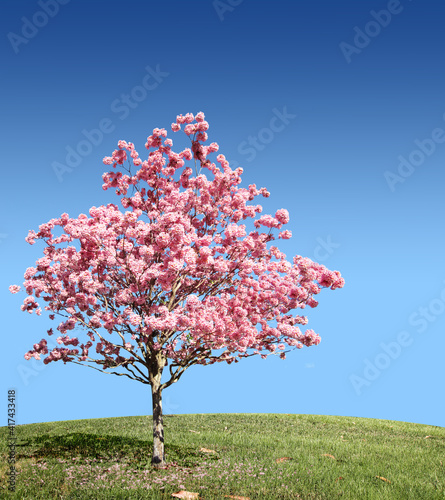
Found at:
(110, 458)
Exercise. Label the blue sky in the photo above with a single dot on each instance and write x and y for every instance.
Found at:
(357, 158)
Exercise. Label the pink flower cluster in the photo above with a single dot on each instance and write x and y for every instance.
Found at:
(174, 271)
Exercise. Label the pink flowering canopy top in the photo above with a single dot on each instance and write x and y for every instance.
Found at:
(175, 274)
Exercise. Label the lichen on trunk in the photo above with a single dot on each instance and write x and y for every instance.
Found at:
(155, 375)
(158, 459)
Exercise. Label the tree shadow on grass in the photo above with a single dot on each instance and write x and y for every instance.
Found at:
(86, 447)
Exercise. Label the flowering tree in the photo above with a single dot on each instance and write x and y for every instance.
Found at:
(174, 280)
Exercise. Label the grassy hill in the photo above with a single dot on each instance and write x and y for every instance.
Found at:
(267, 456)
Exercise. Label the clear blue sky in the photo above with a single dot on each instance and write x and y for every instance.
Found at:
(361, 91)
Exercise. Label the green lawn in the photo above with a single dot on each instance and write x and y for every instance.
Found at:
(326, 458)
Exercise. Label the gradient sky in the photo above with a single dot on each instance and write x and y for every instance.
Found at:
(358, 161)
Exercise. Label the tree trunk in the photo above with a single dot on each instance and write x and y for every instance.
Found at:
(158, 459)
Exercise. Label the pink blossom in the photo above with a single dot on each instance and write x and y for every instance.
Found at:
(135, 319)
(267, 220)
(285, 235)
(174, 268)
(282, 215)
(30, 272)
(199, 117)
(190, 129)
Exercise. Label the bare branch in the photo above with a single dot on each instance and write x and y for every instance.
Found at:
(138, 379)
